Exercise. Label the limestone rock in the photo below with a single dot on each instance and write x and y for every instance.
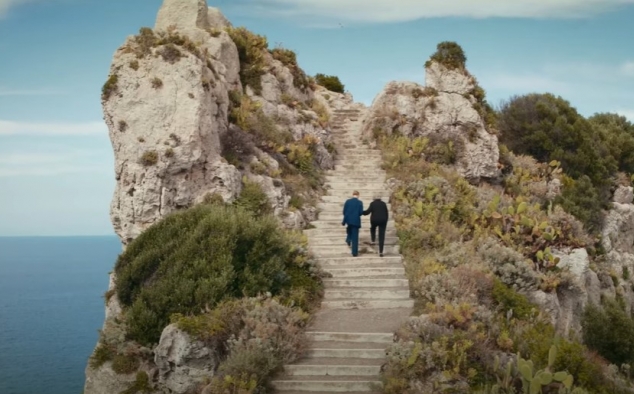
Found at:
(618, 229)
(442, 111)
(446, 80)
(164, 120)
(104, 380)
(183, 362)
(113, 307)
(216, 19)
(182, 14)
(577, 262)
(624, 195)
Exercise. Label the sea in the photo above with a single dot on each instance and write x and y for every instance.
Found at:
(51, 308)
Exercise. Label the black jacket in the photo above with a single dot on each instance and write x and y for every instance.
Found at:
(378, 209)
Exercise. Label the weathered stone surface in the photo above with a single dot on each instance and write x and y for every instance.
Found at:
(183, 362)
(442, 111)
(624, 195)
(104, 380)
(113, 307)
(182, 14)
(216, 19)
(164, 122)
(618, 229)
(445, 80)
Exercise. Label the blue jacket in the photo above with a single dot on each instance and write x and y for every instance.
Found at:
(352, 211)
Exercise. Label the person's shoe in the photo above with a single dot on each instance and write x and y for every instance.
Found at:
(380, 254)
(354, 255)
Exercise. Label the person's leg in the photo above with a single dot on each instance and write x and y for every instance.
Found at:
(382, 237)
(354, 235)
(348, 240)
(373, 232)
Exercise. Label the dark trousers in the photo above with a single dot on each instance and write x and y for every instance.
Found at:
(381, 227)
(352, 238)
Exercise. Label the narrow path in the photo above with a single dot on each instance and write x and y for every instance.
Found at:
(367, 298)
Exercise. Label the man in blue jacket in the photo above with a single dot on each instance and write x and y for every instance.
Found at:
(352, 211)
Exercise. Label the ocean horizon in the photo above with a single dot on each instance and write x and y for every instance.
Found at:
(51, 308)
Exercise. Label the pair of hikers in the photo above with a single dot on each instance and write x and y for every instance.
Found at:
(352, 212)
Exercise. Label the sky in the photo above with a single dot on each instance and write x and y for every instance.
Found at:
(56, 160)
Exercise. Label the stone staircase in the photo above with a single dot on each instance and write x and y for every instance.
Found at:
(367, 298)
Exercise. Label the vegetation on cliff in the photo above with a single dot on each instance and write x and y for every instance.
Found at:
(591, 151)
(475, 253)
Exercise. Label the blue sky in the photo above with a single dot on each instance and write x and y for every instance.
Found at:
(56, 161)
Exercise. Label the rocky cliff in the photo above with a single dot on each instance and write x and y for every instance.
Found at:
(178, 102)
(195, 108)
(449, 108)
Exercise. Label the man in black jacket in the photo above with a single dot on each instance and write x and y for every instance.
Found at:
(378, 218)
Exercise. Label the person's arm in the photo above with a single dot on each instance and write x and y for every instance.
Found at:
(343, 222)
(360, 208)
(387, 214)
(368, 211)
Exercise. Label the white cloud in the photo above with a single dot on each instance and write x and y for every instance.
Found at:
(627, 68)
(29, 92)
(524, 83)
(406, 10)
(628, 113)
(29, 128)
(62, 161)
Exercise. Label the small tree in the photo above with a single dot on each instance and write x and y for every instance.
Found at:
(330, 82)
(449, 54)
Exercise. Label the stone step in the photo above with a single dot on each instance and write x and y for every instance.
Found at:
(364, 192)
(347, 345)
(385, 338)
(338, 206)
(348, 260)
(332, 370)
(368, 304)
(365, 283)
(353, 177)
(365, 273)
(347, 184)
(336, 199)
(336, 240)
(339, 352)
(366, 294)
(363, 236)
(364, 250)
(327, 392)
(336, 224)
(328, 386)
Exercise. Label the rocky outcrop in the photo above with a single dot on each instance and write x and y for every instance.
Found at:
(444, 110)
(166, 105)
(182, 361)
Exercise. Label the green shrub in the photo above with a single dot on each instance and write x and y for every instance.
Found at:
(193, 259)
(149, 158)
(140, 385)
(449, 54)
(549, 128)
(170, 53)
(510, 300)
(289, 59)
(251, 49)
(330, 82)
(102, 354)
(125, 363)
(253, 199)
(583, 200)
(610, 332)
(157, 83)
(110, 87)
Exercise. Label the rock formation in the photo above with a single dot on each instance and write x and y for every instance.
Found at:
(167, 105)
(444, 110)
